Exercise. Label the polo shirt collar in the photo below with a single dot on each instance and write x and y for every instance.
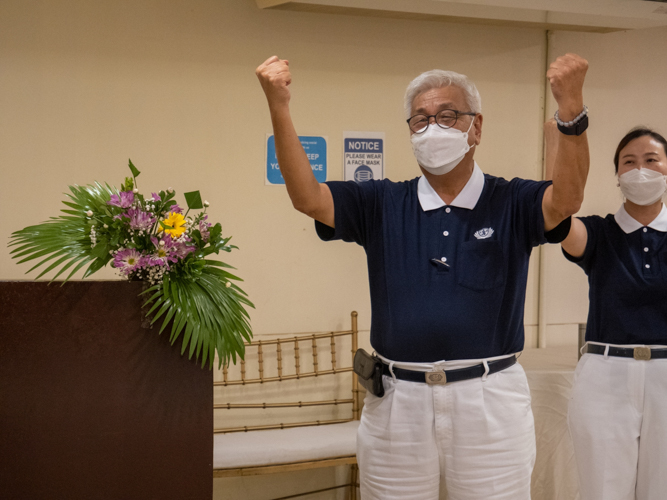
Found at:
(467, 198)
(630, 225)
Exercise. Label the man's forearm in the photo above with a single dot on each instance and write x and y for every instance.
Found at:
(302, 187)
(570, 171)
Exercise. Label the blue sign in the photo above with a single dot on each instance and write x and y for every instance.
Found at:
(316, 151)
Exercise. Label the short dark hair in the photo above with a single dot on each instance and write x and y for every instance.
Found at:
(634, 134)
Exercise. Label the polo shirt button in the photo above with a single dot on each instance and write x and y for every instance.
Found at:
(645, 229)
(648, 266)
(446, 233)
(449, 210)
(444, 259)
(646, 249)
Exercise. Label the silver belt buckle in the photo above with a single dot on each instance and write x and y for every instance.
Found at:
(436, 378)
(642, 353)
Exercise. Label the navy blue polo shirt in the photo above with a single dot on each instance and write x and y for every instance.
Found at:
(470, 305)
(626, 264)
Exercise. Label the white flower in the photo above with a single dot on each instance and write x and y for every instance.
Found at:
(135, 190)
(206, 203)
(170, 190)
(89, 213)
(228, 284)
(106, 227)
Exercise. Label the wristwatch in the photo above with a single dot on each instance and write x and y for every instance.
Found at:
(575, 127)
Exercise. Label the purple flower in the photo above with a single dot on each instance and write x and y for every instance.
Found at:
(176, 209)
(124, 201)
(128, 260)
(183, 249)
(156, 197)
(139, 220)
(203, 228)
(164, 254)
(168, 250)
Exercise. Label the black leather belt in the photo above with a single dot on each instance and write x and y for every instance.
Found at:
(640, 353)
(447, 376)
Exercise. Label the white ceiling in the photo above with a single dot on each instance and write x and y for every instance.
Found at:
(578, 15)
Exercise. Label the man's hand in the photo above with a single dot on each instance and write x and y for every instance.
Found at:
(274, 76)
(566, 76)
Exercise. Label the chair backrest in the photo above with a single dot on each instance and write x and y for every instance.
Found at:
(299, 368)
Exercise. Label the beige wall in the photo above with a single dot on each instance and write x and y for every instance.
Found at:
(625, 87)
(172, 86)
(85, 85)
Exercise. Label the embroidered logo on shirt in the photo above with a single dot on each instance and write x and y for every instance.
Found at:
(482, 234)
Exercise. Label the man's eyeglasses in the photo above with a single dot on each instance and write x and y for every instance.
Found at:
(446, 118)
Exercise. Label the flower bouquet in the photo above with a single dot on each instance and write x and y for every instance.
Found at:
(150, 239)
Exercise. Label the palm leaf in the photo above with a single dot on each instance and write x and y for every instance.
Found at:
(210, 314)
(66, 237)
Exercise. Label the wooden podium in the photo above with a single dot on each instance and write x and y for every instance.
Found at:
(92, 405)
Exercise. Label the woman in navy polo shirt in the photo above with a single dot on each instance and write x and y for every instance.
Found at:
(618, 410)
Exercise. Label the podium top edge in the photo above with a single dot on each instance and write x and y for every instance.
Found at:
(63, 281)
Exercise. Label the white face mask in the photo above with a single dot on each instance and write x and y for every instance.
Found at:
(439, 149)
(642, 186)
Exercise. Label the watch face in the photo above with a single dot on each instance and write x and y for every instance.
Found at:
(576, 129)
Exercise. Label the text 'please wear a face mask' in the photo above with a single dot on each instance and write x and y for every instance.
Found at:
(642, 186)
(439, 149)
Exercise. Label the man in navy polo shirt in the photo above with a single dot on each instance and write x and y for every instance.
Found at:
(448, 259)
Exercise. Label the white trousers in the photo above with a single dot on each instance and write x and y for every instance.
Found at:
(476, 436)
(618, 422)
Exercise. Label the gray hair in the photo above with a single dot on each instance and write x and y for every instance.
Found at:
(438, 78)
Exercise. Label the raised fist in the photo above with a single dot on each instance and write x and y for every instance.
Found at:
(275, 77)
(566, 76)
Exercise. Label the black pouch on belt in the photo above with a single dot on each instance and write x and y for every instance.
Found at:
(369, 369)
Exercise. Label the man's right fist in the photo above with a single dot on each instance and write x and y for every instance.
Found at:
(566, 76)
(275, 77)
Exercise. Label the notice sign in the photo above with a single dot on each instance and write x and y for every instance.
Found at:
(316, 151)
(363, 156)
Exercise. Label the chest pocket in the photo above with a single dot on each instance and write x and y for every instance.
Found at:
(481, 266)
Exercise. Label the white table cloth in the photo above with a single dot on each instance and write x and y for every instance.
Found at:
(550, 373)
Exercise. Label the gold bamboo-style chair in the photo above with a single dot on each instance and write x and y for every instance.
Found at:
(281, 422)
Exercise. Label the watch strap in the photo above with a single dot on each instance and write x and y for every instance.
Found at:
(577, 128)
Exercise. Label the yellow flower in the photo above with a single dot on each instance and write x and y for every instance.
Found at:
(177, 222)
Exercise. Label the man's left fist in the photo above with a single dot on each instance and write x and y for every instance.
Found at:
(566, 76)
